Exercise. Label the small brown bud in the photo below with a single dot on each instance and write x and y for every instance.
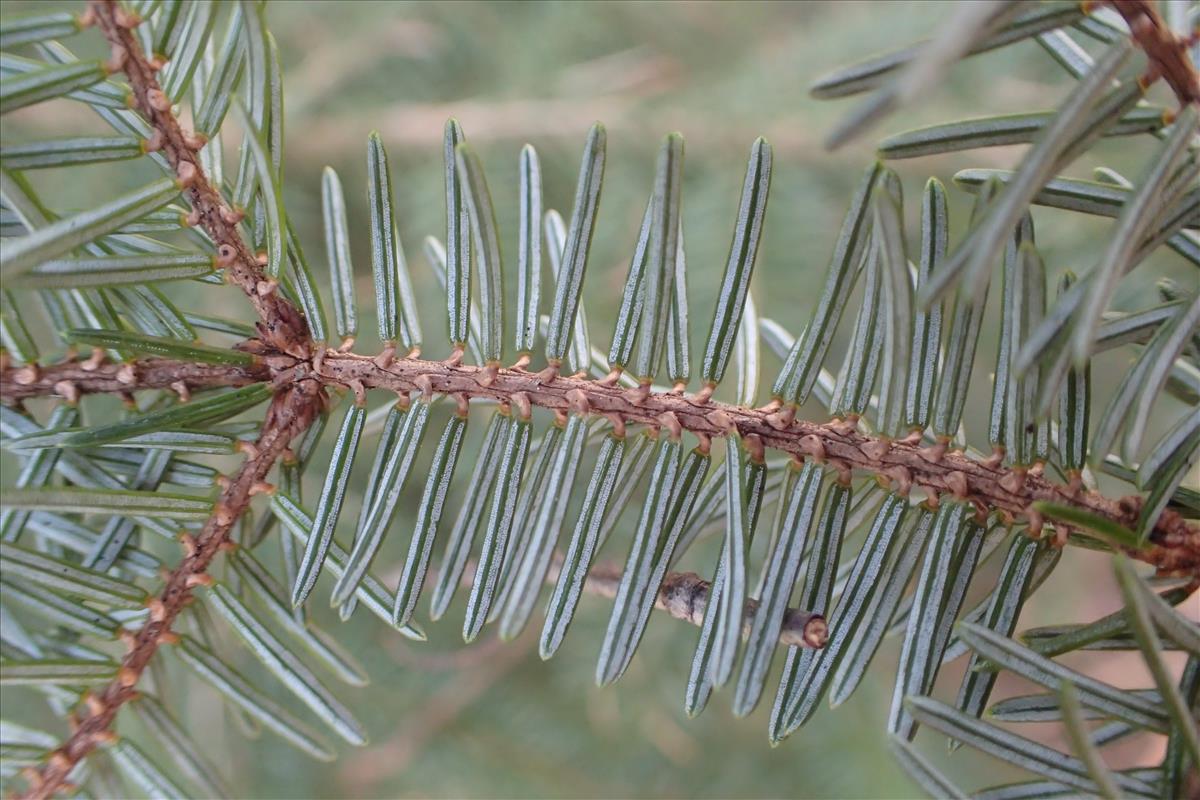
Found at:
(816, 632)
(127, 677)
(32, 777)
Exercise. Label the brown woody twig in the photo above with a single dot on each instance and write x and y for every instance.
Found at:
(281, 324)
(291, 412)
(74, 378)
(1167, 53)
(293, 408)
(906, 465)
(304, 370)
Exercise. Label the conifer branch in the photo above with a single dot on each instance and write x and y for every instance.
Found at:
(684, 596)
(75, 377)
(293, 408)
(291, 412)
(905, 465)
(300, 371)
(282, 325)
(1166, 51)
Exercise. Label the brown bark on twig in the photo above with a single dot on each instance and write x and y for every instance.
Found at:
(292, 410)
(290, 413)
(76, 377)
(281, 325)
(1167, 53)
(1174, 546)
(301, 370)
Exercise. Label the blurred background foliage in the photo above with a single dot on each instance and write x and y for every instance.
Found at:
(492, 720)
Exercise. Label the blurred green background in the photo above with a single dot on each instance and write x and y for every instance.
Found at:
(492, 720)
